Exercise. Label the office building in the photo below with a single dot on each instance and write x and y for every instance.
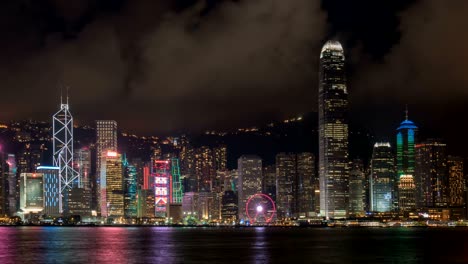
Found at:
(31, 193)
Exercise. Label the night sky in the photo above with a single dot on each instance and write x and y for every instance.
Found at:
(170, 65)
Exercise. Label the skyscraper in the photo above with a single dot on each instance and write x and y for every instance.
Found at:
(62, 127)
(356, 188)
(286, 175)
(112, 198)
(405, 142)
(333, 132)
(456, 181)
(382, 178)
(306, 177)
(250, 180)
(130, 189)
(431, 174)
(106, 140)
(13, 185)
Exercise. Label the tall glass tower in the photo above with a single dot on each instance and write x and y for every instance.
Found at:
(382, 177)
(333, 132)
(406, 135)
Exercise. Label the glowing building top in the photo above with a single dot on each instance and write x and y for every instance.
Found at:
(333, 46)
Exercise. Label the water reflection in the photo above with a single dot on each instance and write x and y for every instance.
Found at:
(260, 249)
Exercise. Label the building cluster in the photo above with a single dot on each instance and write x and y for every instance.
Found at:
(175, 181)
(414, 179)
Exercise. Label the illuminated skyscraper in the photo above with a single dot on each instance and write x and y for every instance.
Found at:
(431, 174)
(333, 132)
(112, 197)
(405, 141)
(62, 127)
(382, 178)
(106, 140)
(250, 180)
(456, 181)
(356, 188)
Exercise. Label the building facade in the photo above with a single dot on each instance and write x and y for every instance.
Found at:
(457, 181)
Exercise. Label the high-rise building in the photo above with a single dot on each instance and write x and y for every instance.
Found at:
(161, 173)
(306, 178)
(286, 179)
(62, 140)
(431, 174)
(456, 181)
(51, 177)
(382, 177)
(407, 191)
(82, 165)
(106, 140)
(130, 189)
(13, 185)
(333, 132)
(405, 158)
(112, 197)
(31, 193)
(357, 179)
(250, 180)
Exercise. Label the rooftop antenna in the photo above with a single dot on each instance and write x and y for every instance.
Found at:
(406, 112)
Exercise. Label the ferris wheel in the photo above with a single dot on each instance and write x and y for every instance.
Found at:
(260, 209)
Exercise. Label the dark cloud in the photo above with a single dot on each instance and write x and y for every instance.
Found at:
(174, 68)
(158, 66)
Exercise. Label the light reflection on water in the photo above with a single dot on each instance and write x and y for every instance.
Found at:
(230, 245)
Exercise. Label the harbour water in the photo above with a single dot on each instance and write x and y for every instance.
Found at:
(232, 245)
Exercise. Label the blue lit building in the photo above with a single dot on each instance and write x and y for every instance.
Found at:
(405, 142)
(52, 201)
